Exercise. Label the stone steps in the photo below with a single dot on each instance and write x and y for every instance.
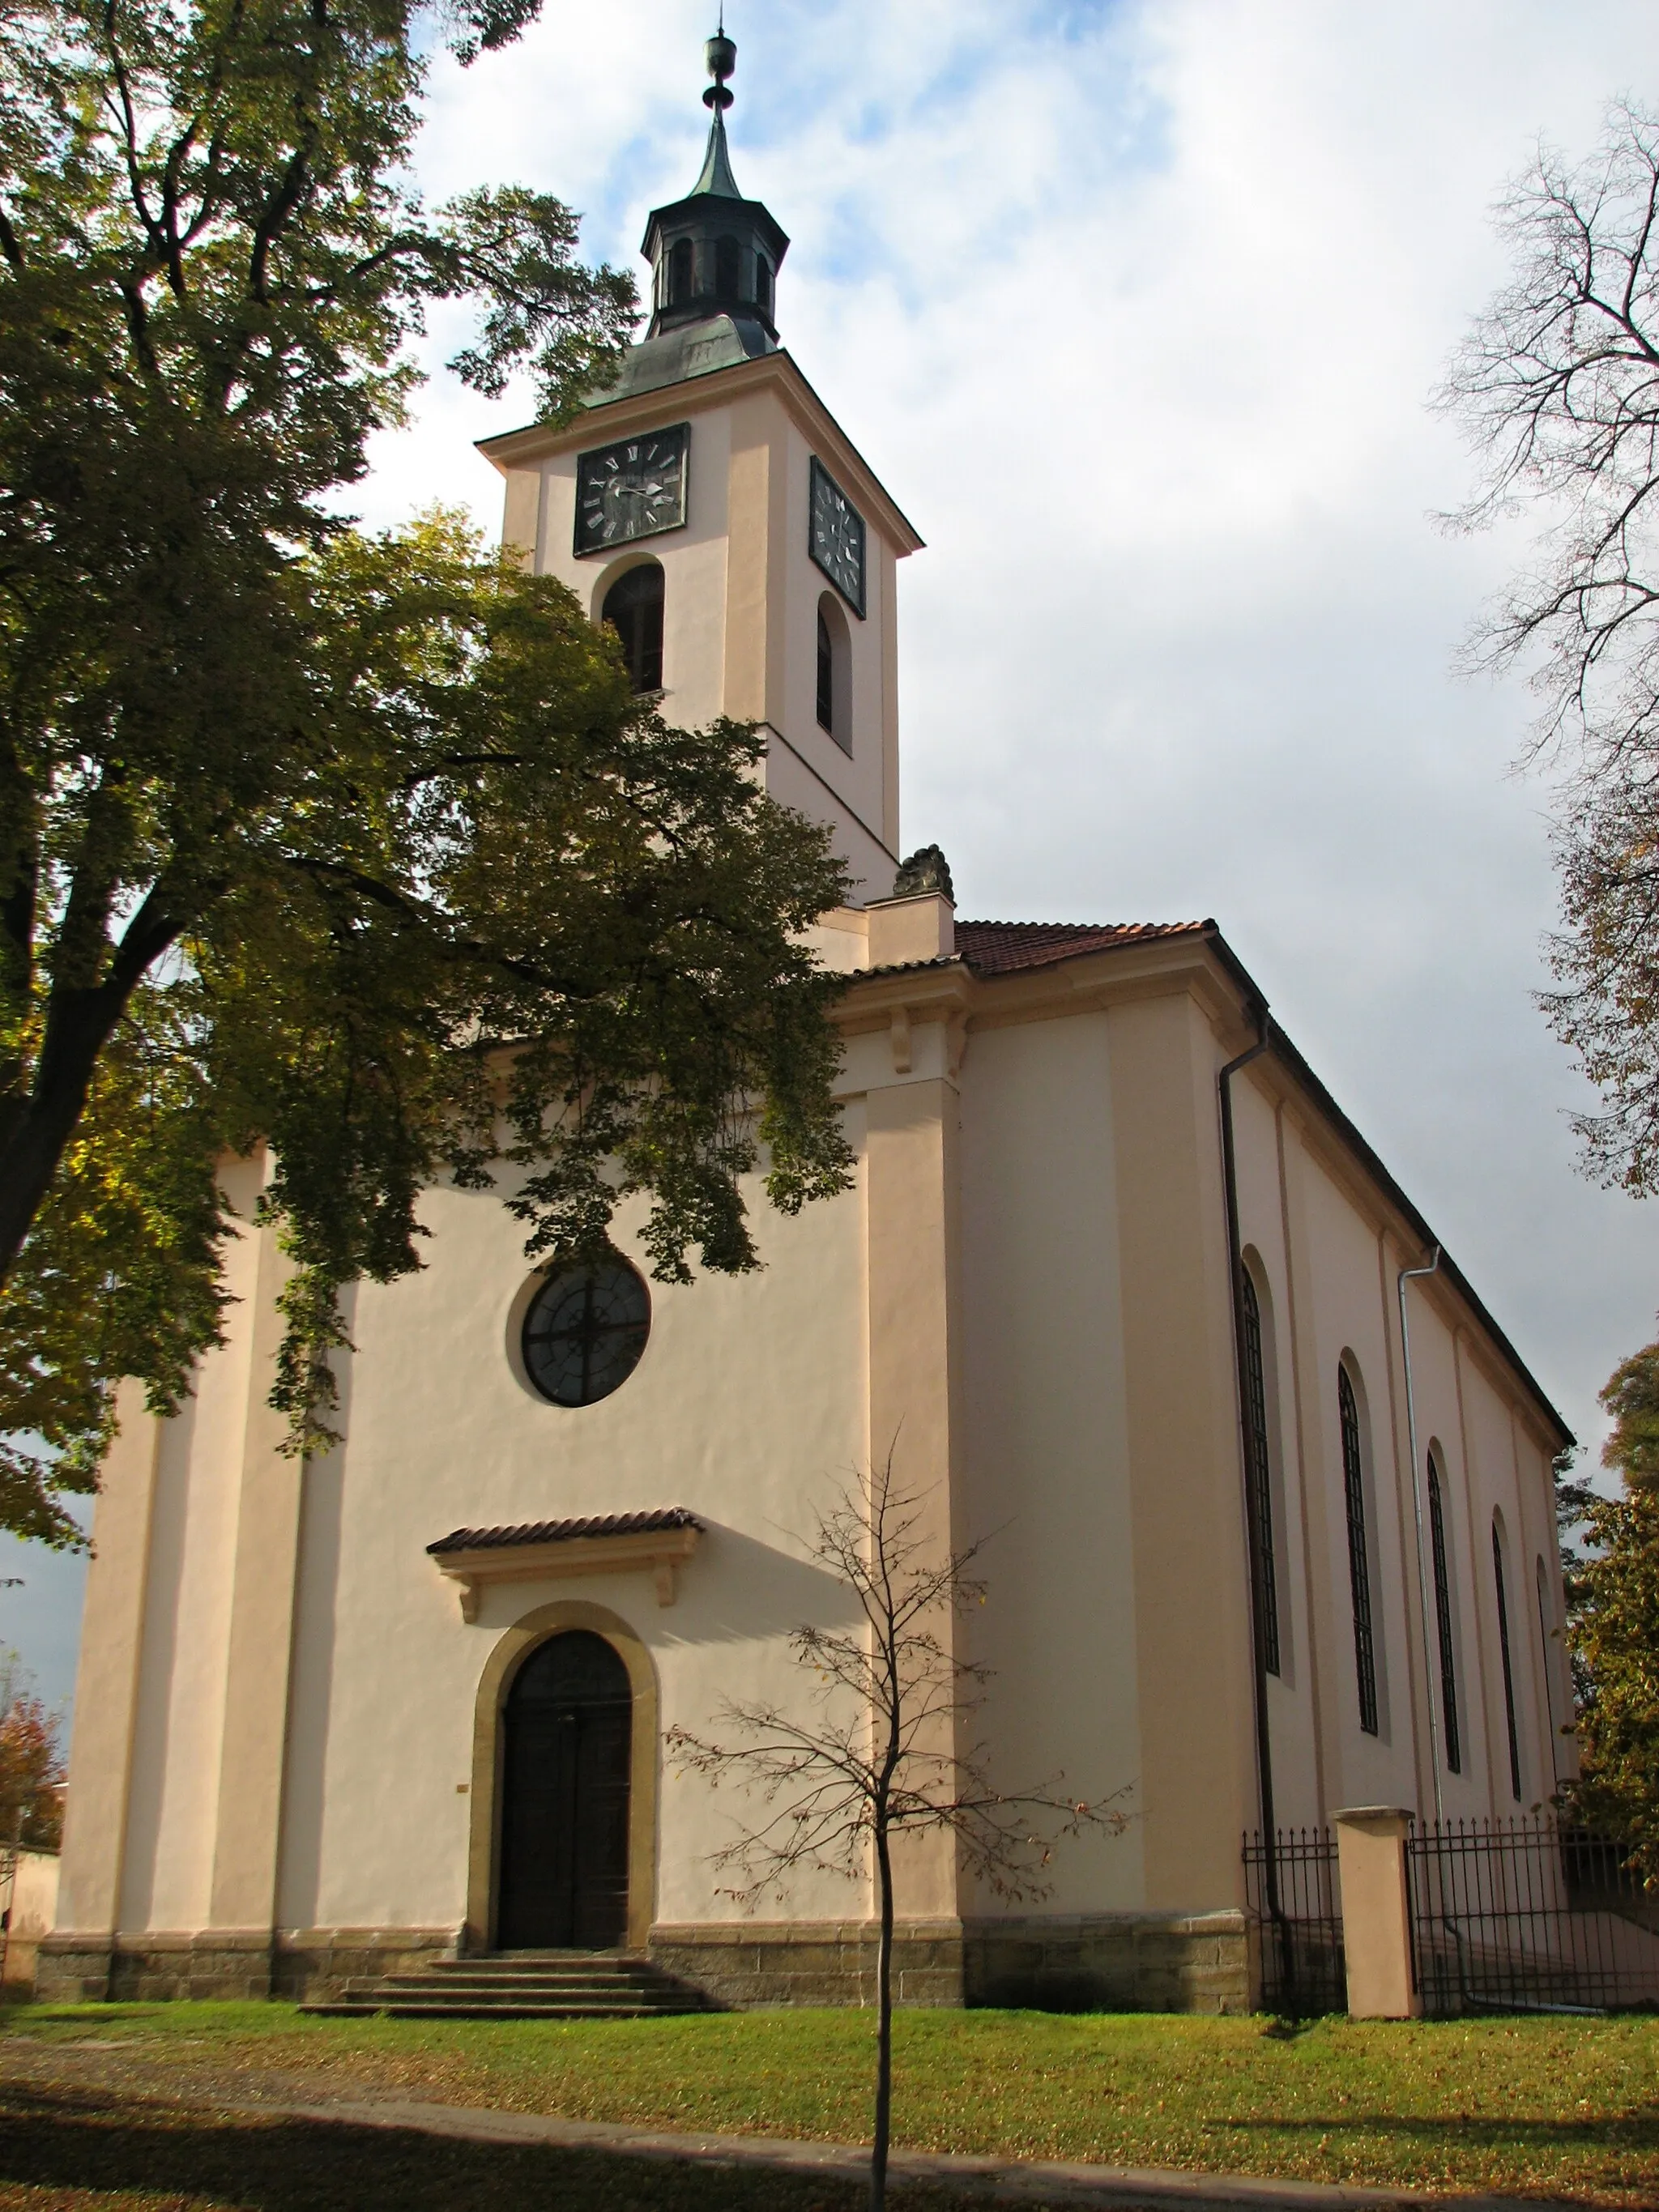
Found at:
(524, 1985)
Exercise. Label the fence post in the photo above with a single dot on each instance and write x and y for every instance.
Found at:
(1376, 1915)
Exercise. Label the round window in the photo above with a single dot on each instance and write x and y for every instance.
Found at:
(584, 1331)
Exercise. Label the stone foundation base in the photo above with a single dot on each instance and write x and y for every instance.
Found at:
(1093, 1962)
(812, 1962)
(1110, 1962)
(307, 1962)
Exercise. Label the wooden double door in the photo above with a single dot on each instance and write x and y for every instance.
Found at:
(570, 1729)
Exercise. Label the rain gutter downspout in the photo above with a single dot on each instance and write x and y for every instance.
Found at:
(1406, 1275)
(1258, 1626)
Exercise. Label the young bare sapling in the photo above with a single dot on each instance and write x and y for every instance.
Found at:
(884, 1746)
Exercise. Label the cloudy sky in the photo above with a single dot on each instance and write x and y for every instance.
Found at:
(1134, 308)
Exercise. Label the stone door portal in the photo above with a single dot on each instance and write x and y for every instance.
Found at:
(565, 1791)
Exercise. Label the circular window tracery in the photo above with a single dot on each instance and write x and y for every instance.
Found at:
(584, 1330)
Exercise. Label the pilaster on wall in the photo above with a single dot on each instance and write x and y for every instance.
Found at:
(912, 1192)
(106, 1681)
(754, 594)
(1192, 1628)
(257, 1656)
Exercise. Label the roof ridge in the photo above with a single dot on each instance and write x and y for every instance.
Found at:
(988, 922)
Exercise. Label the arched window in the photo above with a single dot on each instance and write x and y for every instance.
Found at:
(633, 607)
(763, 285)
(679, 272)
(1443, 1621)
(1259, 1469)
(1359, 1566)
(725, 271)
(826, 675)
(835, 683)
(1508, 1667)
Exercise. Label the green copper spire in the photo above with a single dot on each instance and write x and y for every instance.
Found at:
(714, 259)
(721, 55)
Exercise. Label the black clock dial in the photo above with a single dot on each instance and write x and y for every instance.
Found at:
(836, 538)
(631, 490)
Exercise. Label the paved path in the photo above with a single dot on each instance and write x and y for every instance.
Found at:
(1012, 2181)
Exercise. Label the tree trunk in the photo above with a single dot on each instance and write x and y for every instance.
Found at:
(883, 2022)
(75, 1034)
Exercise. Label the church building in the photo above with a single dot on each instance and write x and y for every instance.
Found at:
(1267, 1491)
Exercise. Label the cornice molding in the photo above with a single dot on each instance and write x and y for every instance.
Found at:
(895, 1000)
(663, 1551)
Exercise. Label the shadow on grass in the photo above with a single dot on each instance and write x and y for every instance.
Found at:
(116, 2153)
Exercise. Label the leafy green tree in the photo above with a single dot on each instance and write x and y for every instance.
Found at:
(1557, 386)
(361, 847)
(1613, 1626)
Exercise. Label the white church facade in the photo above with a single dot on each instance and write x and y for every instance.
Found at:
(1117, 1281)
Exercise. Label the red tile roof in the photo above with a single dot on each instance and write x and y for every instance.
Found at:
(996, 948)
(560, 1532)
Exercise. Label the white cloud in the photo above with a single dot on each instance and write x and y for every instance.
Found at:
(1135, 308)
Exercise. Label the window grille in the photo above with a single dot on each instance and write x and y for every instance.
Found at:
(1443, 1621)
(1258, 1466)
(1359, 1572)
(1509, 1670)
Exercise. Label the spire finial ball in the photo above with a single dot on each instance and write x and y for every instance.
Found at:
(721, 55)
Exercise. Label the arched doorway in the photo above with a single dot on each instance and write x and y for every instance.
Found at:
(568, 1730)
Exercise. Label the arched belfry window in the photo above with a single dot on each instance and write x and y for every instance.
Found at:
(727, 254)
(834, 665)
(633, 607)
(1359, 1566)
(1504, 1653)
(680, 285)
(763, 285)
(1259, 1470)
(1439, 1552)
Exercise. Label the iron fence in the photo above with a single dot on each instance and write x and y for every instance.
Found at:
(1294, 1901)
(1526, 1915)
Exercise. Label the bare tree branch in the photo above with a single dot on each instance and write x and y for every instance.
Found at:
(884, 1747)
(1557, 388)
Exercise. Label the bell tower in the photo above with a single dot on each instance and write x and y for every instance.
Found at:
(710, 508)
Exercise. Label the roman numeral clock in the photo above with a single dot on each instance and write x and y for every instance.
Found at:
(631, 490)
(836, 537)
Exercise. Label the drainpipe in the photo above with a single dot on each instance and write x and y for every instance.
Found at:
(1406, 1275)
(1258, 1626)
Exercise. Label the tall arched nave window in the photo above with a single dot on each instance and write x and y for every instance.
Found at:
(1259, 1468)
(1443, 1618)
(1359, 1563)
(1500, 1581)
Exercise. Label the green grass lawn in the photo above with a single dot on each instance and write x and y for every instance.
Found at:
(1558, 2107)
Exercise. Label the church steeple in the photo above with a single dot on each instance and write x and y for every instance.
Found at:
(714, 254)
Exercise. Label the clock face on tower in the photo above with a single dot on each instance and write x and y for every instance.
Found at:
(836, 538)
(631, 490)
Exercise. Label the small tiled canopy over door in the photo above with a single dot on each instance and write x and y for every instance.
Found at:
(564, 1811)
